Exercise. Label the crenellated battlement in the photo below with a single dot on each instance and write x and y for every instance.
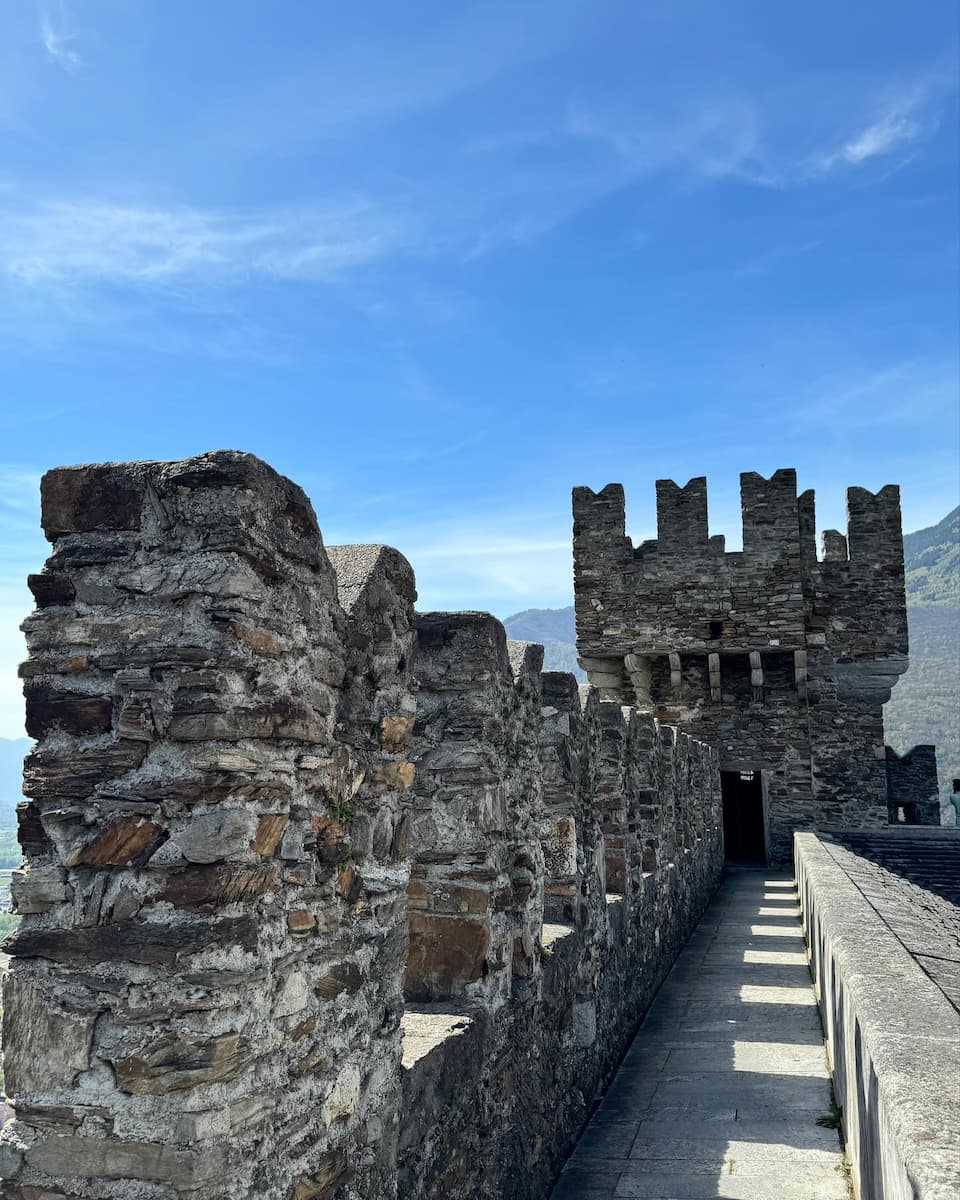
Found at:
(763, 596)
(735, 645)
(874, 533)
(768, 507)
(682, 517)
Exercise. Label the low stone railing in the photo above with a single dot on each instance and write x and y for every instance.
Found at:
(893, 1036)
(289, 846)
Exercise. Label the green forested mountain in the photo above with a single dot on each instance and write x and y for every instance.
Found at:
(932, 561)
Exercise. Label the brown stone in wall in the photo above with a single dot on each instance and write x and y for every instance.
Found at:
(145, 942)
(446, 954)
(395, 731)
(49, 708)
(206, 887)
(175, 1063)
(270, 830)
(57, 774)
(120, 844)
(341, 979)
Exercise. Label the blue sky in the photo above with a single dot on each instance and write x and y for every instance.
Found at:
(439, 263)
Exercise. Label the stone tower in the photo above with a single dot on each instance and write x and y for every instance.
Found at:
(780, 658)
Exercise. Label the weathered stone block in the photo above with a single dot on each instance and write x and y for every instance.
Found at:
(206, 887)
(84, 499)
(111, 1158)
(56, 774)
(446, 953)
(270, 829)
(49, 708)
(174, 1063)
(44, 1044)
(37, 889)
(146, 942)
(51, 588)
(216, 835)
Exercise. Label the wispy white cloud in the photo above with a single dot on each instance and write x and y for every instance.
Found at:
(57, 39)
(737, 138)
(507, 189)
(897, 124)
(88, 241)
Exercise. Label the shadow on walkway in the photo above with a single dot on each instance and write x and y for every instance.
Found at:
(720, 1092)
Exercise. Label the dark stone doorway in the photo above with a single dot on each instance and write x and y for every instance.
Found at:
(743, 833)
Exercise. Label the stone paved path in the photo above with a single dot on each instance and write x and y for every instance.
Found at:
(720, 1092)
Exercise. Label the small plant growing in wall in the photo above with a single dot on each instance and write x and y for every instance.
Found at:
(834, 1118)
(343, 811)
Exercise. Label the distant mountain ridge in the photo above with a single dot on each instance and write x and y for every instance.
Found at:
(555, 629)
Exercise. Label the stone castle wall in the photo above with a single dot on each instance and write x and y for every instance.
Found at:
(781, 659)
(913, 789)
(315, 901)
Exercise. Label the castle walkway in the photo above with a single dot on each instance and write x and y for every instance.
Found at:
(720, 1092)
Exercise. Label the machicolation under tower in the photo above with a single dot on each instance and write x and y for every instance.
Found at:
(781, 659)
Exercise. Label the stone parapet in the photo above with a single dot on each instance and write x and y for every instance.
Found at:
(494, 1102)
(269, 807)
(476, 891)
(571, 837)
(893, 1036)
(205, 990)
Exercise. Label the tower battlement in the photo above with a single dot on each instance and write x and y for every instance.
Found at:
(764, 650)
(775, 592)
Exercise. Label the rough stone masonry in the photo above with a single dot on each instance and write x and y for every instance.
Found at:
(289, 850)
(779, 658)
